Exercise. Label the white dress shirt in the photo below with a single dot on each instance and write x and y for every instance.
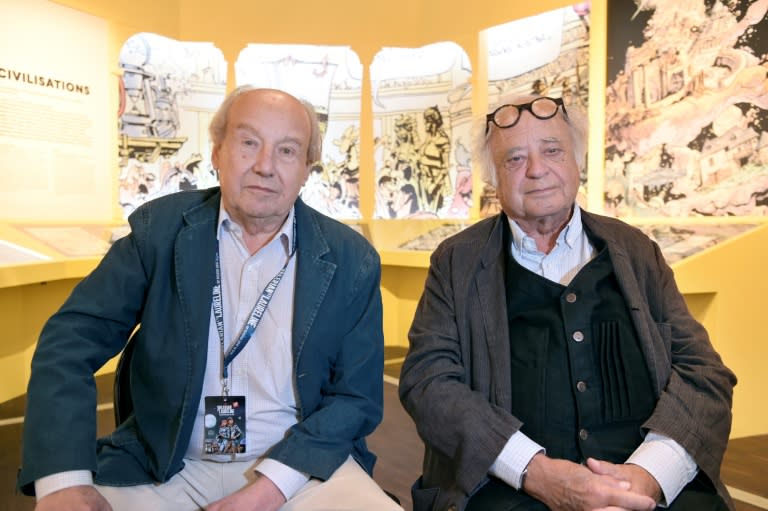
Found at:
(263, 370)
(662, 457)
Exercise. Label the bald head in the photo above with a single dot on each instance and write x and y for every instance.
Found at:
(218, 126)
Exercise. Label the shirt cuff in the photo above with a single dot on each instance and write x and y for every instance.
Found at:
(514, 457)
(668, 462)
(55, 482)
(288, 480)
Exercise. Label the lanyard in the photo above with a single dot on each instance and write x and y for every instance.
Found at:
(253, 320)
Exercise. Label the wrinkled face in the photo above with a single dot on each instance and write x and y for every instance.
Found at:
(262, 160)
(538, 177)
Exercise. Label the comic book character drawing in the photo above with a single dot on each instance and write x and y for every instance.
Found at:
(432, 173)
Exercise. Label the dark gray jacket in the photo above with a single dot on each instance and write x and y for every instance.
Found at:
(456, 379)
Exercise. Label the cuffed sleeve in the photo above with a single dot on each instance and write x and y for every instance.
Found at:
(514, 457)
(668, 463)
(55, 482)
(287, 480)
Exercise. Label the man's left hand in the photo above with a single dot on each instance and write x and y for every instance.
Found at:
(261, 495)
(639, 478)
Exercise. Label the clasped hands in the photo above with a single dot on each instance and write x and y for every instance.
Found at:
(596, 486)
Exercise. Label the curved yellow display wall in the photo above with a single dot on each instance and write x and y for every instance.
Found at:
(725, 286)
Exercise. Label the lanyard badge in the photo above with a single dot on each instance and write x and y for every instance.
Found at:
(224, 426)
(225, 414)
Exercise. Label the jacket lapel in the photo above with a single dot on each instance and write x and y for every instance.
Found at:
(194, 254)
(491, 295)
(313, 274)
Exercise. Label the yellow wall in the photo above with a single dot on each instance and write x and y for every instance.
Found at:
(29, 295)
(24, 310)
(724, 287)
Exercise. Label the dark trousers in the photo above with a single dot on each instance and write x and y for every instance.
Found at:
(498, 496)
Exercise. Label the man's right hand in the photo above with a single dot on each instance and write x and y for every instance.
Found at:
(565, 485)
(75, 498)
(262, 494)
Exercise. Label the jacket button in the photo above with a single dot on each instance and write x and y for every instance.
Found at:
(452, 507)
(570, 297)
(578, 336)
(583, 434)
(581, 386)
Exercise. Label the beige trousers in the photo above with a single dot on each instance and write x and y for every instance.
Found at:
(350, 488)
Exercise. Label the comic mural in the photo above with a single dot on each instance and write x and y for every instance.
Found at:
(329, 77)
(687, 108)
(422, 117)
(544, 54)
(168, 90)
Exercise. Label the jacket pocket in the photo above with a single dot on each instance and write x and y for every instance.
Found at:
(424, 499)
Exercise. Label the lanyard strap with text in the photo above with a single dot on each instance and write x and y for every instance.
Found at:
(253, 320)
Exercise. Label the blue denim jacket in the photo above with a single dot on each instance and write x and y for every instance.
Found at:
(160, 277)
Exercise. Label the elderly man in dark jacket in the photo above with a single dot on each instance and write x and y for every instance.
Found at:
(553, 362)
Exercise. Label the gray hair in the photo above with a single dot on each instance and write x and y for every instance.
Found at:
(218, 127)
(575, 118)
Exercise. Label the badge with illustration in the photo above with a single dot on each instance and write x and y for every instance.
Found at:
(224, 426)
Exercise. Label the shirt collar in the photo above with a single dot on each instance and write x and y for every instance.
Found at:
(227, 223)
(569, 235)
